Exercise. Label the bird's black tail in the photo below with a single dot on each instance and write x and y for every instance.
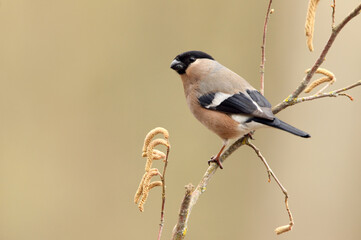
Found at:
(276, 123)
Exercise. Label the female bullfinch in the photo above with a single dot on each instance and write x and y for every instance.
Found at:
(223, 101)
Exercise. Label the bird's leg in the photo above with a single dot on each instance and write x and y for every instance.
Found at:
(216, 158)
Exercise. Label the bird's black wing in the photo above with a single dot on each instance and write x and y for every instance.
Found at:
(259, 98)
(253, 103)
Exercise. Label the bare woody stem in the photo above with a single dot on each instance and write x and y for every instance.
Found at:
(192, 197)
(334, 93)
(263, 47)
(333, 13)
(270, 173)
(162, 178)
(180, 229)
(335, 31)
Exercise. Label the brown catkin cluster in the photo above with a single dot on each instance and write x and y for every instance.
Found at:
(310, 22)
(151, 154)
(328, 77)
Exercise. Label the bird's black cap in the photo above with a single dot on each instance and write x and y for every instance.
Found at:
(183, 60)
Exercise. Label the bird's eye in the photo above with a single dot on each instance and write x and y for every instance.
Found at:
(192, 59)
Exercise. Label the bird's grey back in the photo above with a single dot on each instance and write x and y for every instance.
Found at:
(230, 81)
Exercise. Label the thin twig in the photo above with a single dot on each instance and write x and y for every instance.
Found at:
(334, 93)
(333, 6)
(162, 178)
(335, 31)
(263, 47)
(288, 227)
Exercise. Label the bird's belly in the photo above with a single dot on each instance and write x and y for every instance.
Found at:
(220, 123)
(244, 125)
(248, 127)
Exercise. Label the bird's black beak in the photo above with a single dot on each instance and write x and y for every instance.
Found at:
(178, 66)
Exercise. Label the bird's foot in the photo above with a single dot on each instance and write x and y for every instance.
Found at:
(216, 160)
(250, 135)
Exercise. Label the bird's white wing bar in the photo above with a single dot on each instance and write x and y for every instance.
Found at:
(219, 97)
(238, 103)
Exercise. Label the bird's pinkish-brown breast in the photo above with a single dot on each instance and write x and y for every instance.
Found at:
(220, 123)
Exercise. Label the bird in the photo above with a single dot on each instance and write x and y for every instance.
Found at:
(223, 101)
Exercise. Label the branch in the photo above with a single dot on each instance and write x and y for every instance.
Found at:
(333, 6)
(180, 229)
(335, 31)
(270, 173)
(192, 197)
(335, 93)
(263, 47)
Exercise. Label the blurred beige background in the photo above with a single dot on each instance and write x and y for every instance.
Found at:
(82, 82)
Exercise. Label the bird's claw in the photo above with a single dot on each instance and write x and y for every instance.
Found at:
(215, 160)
